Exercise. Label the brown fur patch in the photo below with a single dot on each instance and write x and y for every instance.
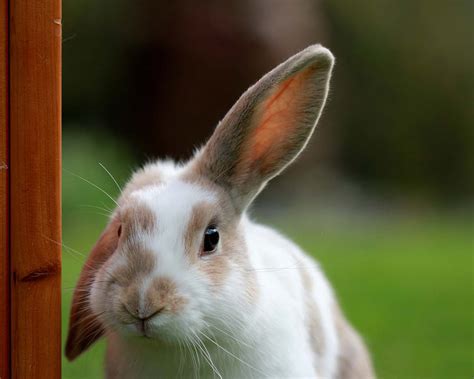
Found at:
(216, 266)
(129, 306)
(313, 319)
(131, 276)
(217, 269)
(164, 294)
(140, 263)
(136, 217)
(161, 295)
(201, 214)
(354, 361)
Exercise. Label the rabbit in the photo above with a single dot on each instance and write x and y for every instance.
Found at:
(182, 283)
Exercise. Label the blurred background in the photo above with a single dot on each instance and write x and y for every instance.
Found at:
(383, 195)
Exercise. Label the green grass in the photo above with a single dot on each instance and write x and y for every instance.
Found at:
(408, 288)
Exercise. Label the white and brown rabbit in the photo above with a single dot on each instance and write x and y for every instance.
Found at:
(182, 283)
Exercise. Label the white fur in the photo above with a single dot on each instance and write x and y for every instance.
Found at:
(272, 336)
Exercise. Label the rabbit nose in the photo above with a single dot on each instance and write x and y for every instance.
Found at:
(150, 314)
(141, 325)
(141, 315)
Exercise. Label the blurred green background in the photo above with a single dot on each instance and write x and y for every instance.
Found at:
(383, 196)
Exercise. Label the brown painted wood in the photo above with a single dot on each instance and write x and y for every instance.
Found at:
(4, 200)
(35, 184)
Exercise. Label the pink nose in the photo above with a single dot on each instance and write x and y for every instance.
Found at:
(143, 317)
(140, 305)
(142, 321)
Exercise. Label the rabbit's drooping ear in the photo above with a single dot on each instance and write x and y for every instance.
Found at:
(268, 126)
(84, 327)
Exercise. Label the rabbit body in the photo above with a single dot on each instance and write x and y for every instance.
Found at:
(288, 324)
(183, 284)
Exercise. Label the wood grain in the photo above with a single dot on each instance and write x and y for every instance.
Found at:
(4, 200)
(35, 185)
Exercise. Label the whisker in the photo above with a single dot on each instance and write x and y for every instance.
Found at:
(107, 210)
(231, 336)
(231, 354)
(206, 355)
(181, 356)
(106, 207)
(94, 185)
(272, 269)
(108, 172)
(70, 249)
(192, 352)
(65, 246)
(107, 215)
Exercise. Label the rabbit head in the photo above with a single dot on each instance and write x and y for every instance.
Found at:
(174, 256)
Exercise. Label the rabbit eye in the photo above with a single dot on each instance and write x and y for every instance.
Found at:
(119, 231)
(211, 239)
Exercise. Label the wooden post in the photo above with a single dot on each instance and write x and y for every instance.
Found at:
(34, 182)
(4, 202)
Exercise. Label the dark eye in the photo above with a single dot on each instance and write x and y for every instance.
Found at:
(211, 239)
(119, 231)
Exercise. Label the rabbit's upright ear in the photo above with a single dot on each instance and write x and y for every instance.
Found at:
(84, 326)
(268, 126)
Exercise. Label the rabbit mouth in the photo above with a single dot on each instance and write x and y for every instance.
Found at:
(143, 328)
(144, 323)
(154, 328)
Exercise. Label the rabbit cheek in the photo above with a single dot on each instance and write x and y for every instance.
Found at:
(216, 269)
(129, 297)
(238, 256)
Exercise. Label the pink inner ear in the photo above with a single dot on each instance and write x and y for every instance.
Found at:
(277, 118)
